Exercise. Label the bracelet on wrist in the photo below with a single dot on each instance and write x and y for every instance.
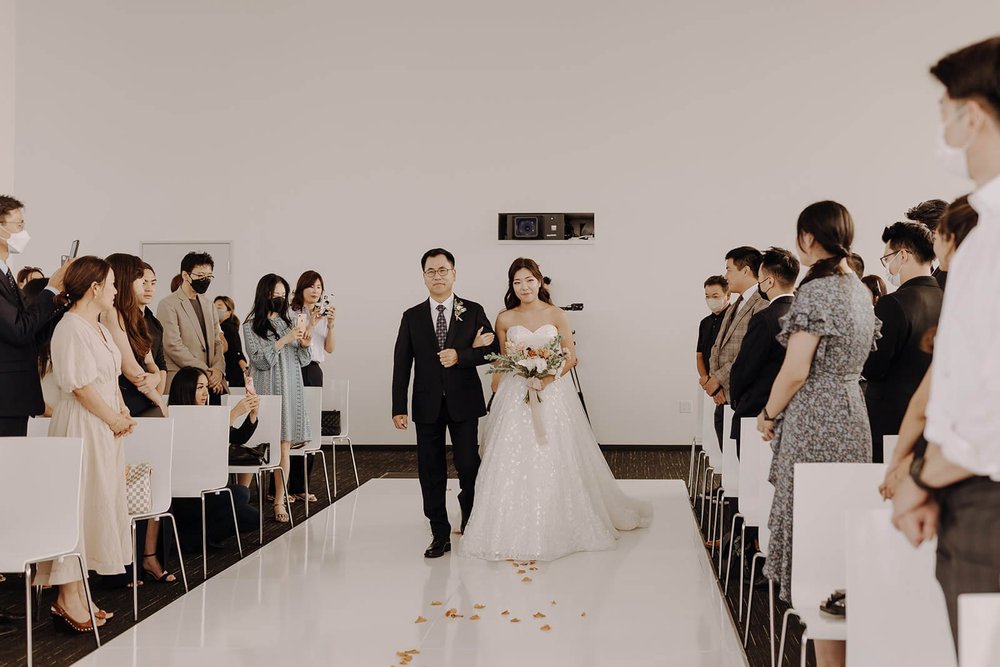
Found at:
(767, 417)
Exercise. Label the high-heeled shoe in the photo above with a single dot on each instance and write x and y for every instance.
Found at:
(63, 622)
(164, 577)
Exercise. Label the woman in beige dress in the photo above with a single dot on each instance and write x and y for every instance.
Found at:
(86, 364)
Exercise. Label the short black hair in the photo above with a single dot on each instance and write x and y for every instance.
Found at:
(718, 280)
(782, 265)
(971, 73)
(928, 212)
(857, 264)
(8, 204)
(435, 252)
(193, 259)
(911, 236)
(185, 385)
(745, 256)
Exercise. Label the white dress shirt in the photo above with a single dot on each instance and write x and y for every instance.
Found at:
(746, 298)
(317, 346)
(963, 414)
(448, 304)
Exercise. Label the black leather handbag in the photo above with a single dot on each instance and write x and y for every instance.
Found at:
(249, 456)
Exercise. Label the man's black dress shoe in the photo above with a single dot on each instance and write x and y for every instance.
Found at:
(11, 616)
(438, 548)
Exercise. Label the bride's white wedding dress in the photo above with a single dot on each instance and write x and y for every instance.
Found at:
(544, 489)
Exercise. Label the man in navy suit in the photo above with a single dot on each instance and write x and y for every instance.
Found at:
(442, 339)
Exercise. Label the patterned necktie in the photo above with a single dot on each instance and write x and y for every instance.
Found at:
(732, 316)
(441, 327)
(10, 279)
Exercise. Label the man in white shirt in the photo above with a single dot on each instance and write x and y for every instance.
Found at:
(954, 486)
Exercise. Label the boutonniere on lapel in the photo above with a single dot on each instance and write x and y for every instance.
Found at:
(459, 309)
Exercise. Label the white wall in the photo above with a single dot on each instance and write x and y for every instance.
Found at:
(351, 136)
(7, 48)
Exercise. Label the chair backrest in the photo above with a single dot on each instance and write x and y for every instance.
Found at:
(709, 438)
(201, 449)
(751, 483)
(897, 613)
(979, 630)
(268, 426)
(237, 391)
(314, 409)
(730, 463)
(824, 493)
(38, 427)
(152, 442)
(889, 443)
(339, 392)
(40, 478)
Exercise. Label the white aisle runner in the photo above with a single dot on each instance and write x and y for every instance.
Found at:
(346, 587)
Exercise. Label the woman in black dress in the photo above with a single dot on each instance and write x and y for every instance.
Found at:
(236, 363)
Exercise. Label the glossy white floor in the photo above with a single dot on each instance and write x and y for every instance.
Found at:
(346, 587)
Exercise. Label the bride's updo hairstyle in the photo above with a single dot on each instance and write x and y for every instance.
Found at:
(832, 228)
(80, 275)
(511, 300)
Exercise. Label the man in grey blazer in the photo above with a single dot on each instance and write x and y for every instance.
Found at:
(742, 265)
(191, 325)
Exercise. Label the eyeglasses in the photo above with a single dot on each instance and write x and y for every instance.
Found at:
(201, 276)
(19, 225)
(888, 258)
(440, 273)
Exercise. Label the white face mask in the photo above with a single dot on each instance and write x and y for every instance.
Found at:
(952, 158)
(892, 279)
(716, 304)
(17, 242)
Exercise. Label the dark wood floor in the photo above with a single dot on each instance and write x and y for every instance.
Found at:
(56, 649)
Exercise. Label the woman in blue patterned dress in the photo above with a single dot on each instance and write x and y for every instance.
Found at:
(277, 349)
(816, 412)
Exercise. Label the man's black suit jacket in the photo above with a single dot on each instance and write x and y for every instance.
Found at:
(898, 365)
(22, 329)
(417, 349)
(758, 363)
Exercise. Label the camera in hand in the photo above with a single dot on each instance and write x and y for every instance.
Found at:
(573, 306)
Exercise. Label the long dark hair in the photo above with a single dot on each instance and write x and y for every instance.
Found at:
(306, 280)
(80, 275)
(185, 385)
(832, 228)
(511, 299)
(262, 306)
(128, 269)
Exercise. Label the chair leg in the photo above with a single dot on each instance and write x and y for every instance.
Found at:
(90, 601)
(746, 632)
(333, 462)
(804, 648)
(260, 497)
(305, 477)
(709, 475)
(135, 575)
(354, 462)
(180, 554)
(729, 558)
(770, 618)
(694, 445)
(38, 603)
(717, 532)
(27, 608)
(326, 477)
(236, 525)
(784, 630)
(204, 539)
(693, 489)
(288, 503)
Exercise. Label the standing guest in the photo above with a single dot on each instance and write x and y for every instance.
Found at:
(236, 363)
(277, 351)
(954, 485)
(857, 264)
(876, 285)
(190, 324)
(27, 274)
(307, 299)
(894, 370)
(152, 324)
(929, 213)
(742, 265)
(717, 300)
(816, 412)
(761, 355)
(86, 364)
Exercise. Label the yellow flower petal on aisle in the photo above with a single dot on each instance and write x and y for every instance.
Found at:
(479, 606)
(527, 580)
(539, 615)
(545, 628)
(420, 619)
(505, 612)
(515, 620)
(474, 617)
(436, 603)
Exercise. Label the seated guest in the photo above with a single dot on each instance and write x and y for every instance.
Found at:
(857, 264)
(191, 387)
(929, 213)
(717, 300)
(876, 286)
(761, 355)
(152, 324)
(898, 364)
(27, 274)
(236, 363)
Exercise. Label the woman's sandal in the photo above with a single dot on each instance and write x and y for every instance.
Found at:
(303, 497)
(292, 498)
(164, 578)
(65, 623)
(836, 604)
(280, 513)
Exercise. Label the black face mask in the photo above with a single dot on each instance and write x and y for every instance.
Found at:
(763, 294)
(278, 304)
(201, 285)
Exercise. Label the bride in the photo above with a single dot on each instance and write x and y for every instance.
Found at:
(544, 489)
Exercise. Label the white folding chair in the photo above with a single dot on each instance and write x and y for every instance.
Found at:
(152, 442)
(268, 430)
(979, 630)
(696, 440)
(730, 486)
(706, 439)
(897, 614)
(41, 479)
(314, 408)
(889, 443)
(824, 493)
(201, 461)
(711, 458)
(340, 399)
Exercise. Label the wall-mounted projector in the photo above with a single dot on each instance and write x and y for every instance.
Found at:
(545, 226)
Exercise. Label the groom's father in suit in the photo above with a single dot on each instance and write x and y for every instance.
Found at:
(444, 339)
(742, 265)
(23, 328)
(761, 355)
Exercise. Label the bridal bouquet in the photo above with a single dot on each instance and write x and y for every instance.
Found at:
(532, 362)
